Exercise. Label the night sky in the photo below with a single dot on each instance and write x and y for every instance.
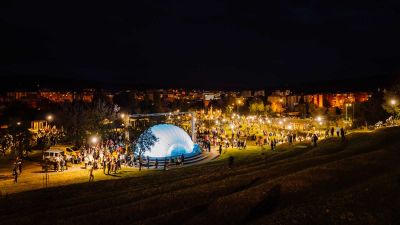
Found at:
(204, 43)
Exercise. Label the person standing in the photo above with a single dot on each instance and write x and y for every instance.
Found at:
(104, 165)
(119, 161)
(15, 174)
(140, 162)
(108, 166)
(182, 159)
(66, 162)
(314, 140)
(61, 164)
(19, 165)
(115, 165)
(58, 163)
(289, 138)
(220, 149)
(332, 131)
(156, 163)
(86, 159)
(91, 176)
(342, 134)
(166, 163)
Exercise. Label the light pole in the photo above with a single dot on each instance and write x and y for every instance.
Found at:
(319, 122)
(238, 103)
(49, 119)
(393, 103)
(347, 105)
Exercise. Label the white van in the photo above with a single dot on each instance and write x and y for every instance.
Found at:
(71, 152)
(51, 155)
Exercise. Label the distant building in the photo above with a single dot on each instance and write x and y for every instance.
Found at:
(38, 125)
(246, 94)
(316, 99)
(259, 93)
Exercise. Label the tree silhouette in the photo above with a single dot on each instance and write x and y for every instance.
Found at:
(144, 143)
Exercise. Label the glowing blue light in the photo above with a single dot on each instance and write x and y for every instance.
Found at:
(172, 141)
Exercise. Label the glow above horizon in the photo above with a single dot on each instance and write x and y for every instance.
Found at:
(172, 141)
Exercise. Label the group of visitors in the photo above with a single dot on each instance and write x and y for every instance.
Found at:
(340, 132)
(237, 138)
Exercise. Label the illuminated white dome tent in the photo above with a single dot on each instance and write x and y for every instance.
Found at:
(172, 141)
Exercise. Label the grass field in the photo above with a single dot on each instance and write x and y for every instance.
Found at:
(352, 182)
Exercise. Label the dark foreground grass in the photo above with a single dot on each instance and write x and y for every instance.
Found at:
(352, 182)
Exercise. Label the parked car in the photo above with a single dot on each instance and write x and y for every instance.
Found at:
(71, 152)
(51, 155)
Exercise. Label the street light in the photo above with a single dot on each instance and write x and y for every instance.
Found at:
(94, 140)
(49, 119)
(393, 103)
(238, 103)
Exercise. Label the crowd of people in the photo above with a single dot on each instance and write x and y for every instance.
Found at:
(110, 156)
(228, 137)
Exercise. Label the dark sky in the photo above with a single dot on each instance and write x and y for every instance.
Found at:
(205, 43)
